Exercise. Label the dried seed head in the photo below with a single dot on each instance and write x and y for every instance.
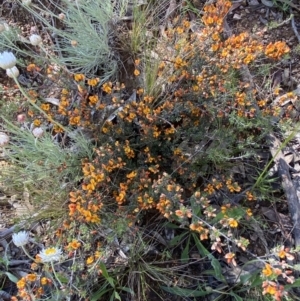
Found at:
(7, 60)
(38, 132)
(13, 72)
(74, 43)
(61, 16)
(4, 139)
(35, 39)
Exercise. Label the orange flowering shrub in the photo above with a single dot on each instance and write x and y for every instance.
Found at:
(31, 286)
(159, 149)
(272, 274)
(146, 160)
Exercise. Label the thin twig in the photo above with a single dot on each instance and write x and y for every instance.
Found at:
(294, 27)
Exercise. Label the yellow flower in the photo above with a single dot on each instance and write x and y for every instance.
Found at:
(98, 254)
(93, 82)
(44, 281)
(169, 187)
(90, 260)
(21, 283)
(131, 175)
(136, 72)
(64, 92)
(232, 223)
(179, 63)
(230, 258)
(179, 30)
(45, 107)
(74, 120)
(79, 77)
(93, 99)
(250, 196)
(107, 87)
(31, 67)
(31, 277)
(267, 271)
(269, 288)
(74, 244)
(37, 122)
(249, 212)
(284, 253)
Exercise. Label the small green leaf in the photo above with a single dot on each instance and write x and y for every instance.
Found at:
(62, 278)
(112, 297)
(217, 268)
(128, 290)
(236, 297)
(105, 274)
(103, 270)
(11, 277)
(202, 250)
(99, 294)
(4, 261)
(251, 278)
(183, 292)
(296, 267)
(214, 262)
(177, 239)
(111, 281)
(117, 296)
(185, 252)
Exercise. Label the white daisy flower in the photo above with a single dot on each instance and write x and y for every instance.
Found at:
(7, 60)
(50, 254)
(35, 39)
(13, 72)
(21, 238)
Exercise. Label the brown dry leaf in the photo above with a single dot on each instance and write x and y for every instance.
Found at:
(260, 233)
(283, 220)
(269, 213)
(267, 3)
(22, 207)
(275, 148)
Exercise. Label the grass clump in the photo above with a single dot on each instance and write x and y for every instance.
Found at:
(146, 177)
(82, 34)
(42, 167)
